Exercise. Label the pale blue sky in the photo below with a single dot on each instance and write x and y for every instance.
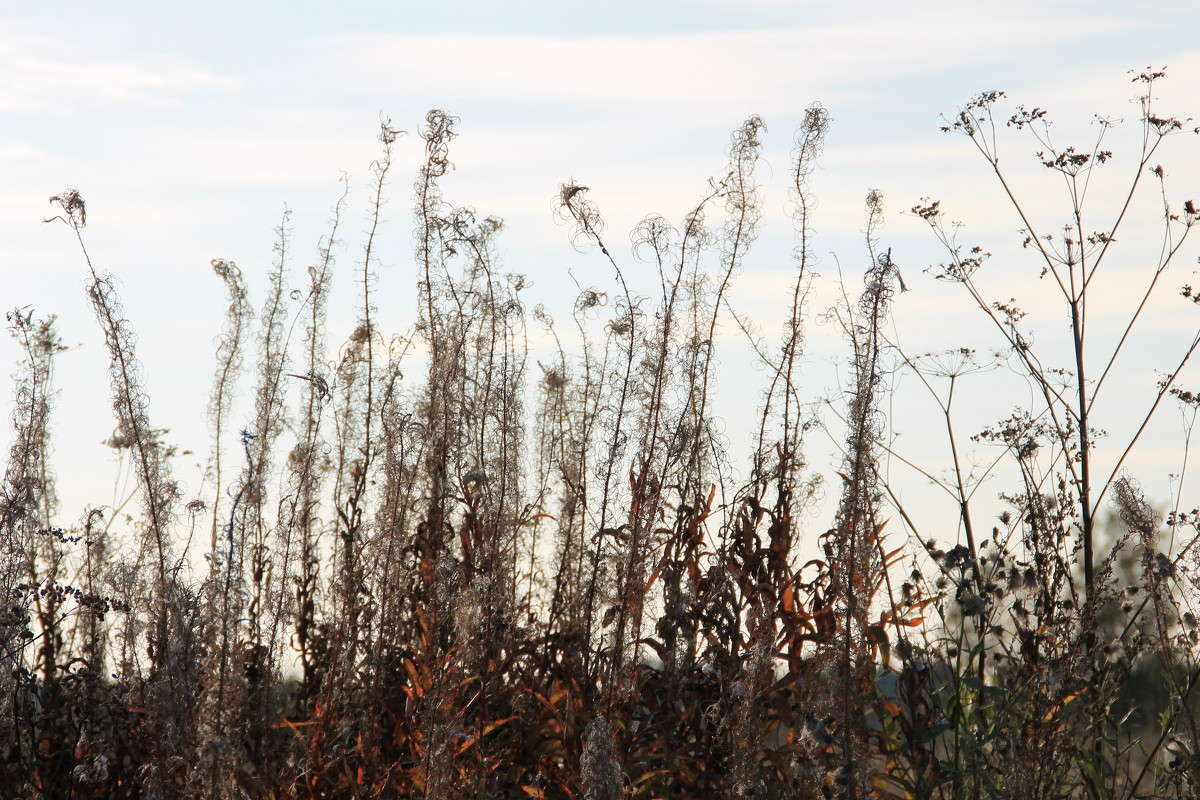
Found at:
(187, 127)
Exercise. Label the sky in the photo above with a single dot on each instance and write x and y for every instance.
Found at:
(190, 128)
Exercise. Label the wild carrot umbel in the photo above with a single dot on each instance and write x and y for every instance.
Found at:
(1040, 634)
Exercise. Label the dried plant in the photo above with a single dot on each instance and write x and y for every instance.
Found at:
(456, 562)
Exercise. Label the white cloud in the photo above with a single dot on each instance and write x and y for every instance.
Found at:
(760, 69)
(20, 151)
(48, 75)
